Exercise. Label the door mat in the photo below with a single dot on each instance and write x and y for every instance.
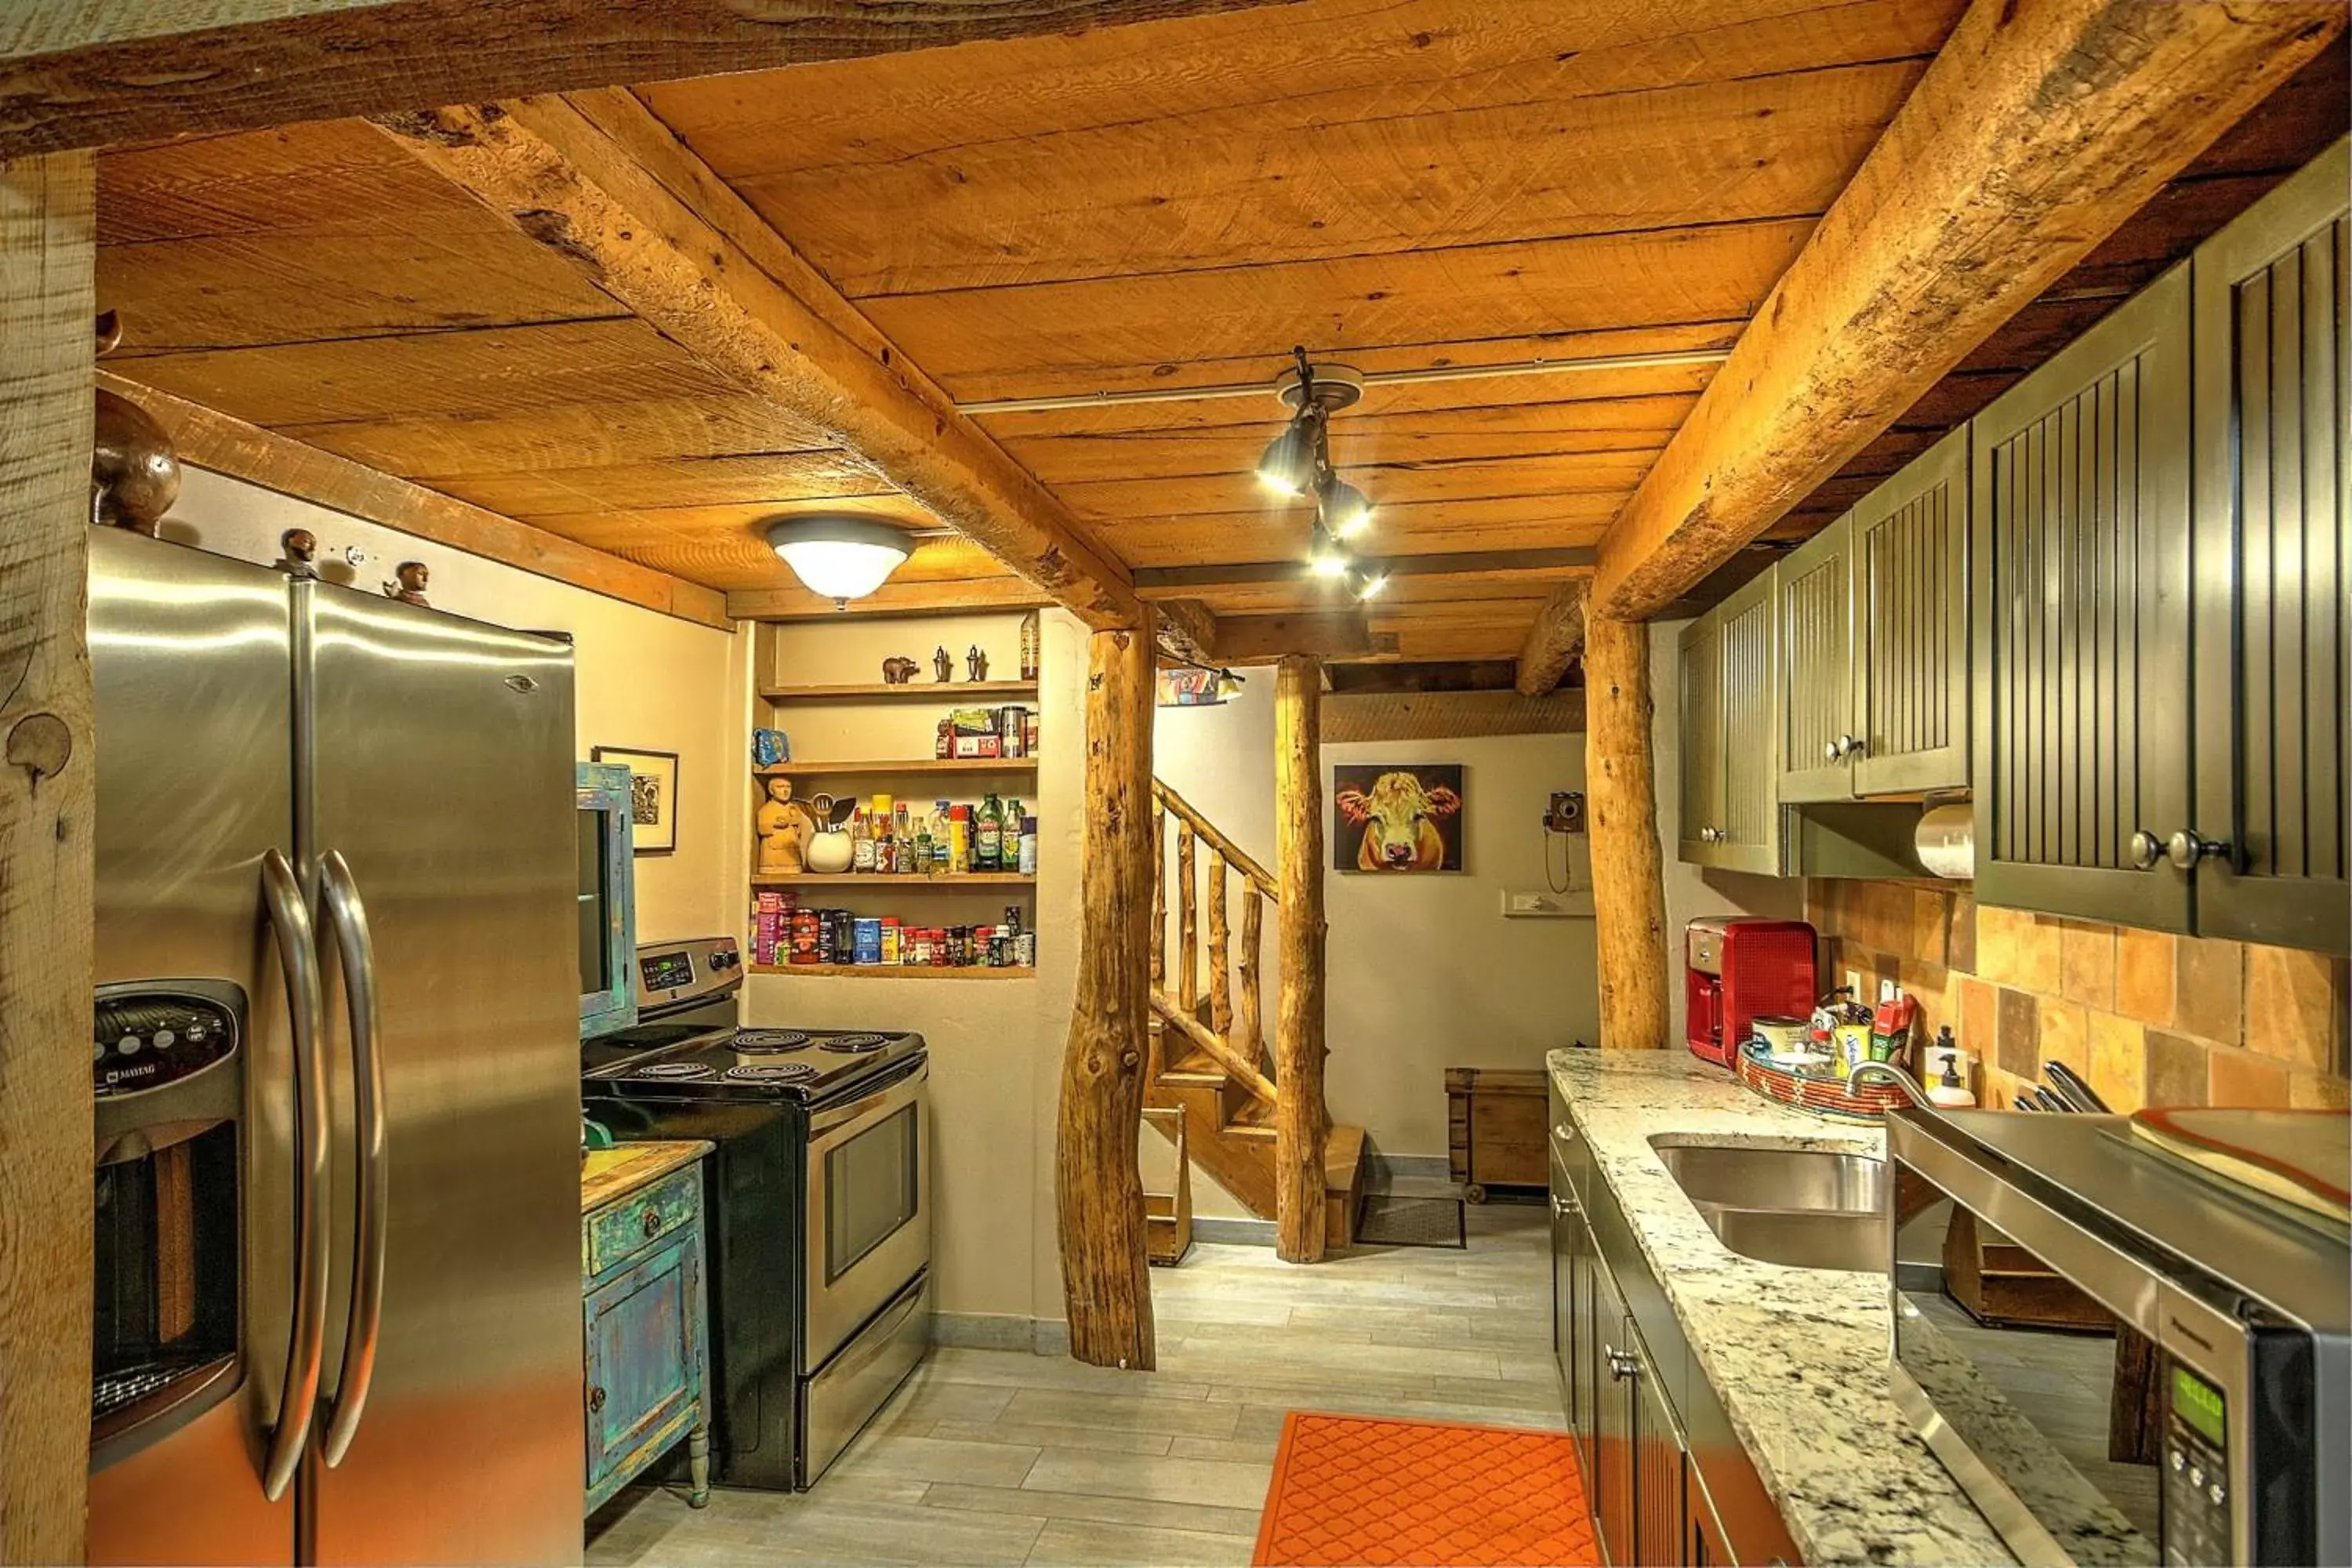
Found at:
(1350, 1490)
(1391, 1220)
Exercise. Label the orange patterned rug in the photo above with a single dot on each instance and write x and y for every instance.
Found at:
(1369, 1490)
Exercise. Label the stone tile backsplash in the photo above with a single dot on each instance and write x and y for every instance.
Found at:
(2148, 1019)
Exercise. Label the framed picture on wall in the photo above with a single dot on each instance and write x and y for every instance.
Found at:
(1405, 817)
(653, 797)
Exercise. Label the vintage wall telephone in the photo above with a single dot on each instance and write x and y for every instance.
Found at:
(1562, 817)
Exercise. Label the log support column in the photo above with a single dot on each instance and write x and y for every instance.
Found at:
(1097, 1189)
(1629, 896)
(1302, 1127)
(48, 787)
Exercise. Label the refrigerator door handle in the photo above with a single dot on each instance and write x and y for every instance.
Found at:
(347, 916)
(297, 958)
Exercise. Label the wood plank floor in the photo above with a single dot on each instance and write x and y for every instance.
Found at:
(994, 1457)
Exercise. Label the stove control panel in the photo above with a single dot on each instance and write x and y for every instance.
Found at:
(145, 1036)
(682, 972)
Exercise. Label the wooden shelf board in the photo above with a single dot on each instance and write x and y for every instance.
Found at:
(904, 765)
(950, 694)
(891, 972)
(895, 881)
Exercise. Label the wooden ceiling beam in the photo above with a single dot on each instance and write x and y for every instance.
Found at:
(90, 76)
(2039, 129)
(599, 182)
(1191, 633)
(1553, 640)
(209, 440)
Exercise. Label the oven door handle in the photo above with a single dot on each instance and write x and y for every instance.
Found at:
(297, 959)
(355, 946)
(873, 1105)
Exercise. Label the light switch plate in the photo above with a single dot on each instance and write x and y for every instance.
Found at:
(1522, 904)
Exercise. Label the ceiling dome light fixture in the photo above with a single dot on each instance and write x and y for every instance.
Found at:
(838, 554)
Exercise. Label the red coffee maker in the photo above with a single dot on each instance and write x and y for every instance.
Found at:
(1736, 970)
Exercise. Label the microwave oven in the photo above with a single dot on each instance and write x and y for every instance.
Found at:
(2122, 1357)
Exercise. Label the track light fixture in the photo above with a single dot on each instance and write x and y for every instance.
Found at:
(1297, 462)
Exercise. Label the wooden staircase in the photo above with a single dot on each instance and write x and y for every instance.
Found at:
(1208, 1054)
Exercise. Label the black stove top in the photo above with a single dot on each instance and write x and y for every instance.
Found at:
(669, 1060)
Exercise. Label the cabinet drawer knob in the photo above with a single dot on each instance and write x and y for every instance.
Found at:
(2147, 849)
(2185, 849)
(652, 1222)
(595, 1400)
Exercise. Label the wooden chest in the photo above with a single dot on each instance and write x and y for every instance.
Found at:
(1494, 1122)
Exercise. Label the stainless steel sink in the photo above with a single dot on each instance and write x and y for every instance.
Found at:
(1804, 1208)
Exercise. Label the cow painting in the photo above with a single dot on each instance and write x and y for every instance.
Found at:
(1397, 819)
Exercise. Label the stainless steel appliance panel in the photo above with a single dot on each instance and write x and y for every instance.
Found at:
(840, 1400)
(189, 657)
(440, 772)
(868, 1210)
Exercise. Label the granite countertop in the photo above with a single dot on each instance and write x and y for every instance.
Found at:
(607, 1175)
(1797, 1356)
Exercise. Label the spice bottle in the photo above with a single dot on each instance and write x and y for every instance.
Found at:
(959, 840)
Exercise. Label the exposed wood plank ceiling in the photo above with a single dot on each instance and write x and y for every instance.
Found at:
(1398, 184)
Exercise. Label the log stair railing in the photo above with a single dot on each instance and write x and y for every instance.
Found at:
(1209, 1057)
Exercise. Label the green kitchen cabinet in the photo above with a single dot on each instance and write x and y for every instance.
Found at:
(646, 1335)
(1729, 812)
(2080, 598)
(1909, 700)
(2267, 847)
(1816, 667)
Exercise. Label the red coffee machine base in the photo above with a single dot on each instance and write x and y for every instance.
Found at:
(1738, 968)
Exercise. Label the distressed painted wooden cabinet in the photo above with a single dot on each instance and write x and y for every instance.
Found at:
(647, 1336)
(2267, 850)
(2079, 507)
(1730, 814)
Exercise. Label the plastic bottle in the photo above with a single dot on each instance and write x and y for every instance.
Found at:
(861, 844)
(1947, 1090)
(959, 840)
(1028, 846)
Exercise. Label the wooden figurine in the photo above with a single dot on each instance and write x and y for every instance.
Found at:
(411, 579)
(942, 665)
(975, 664)
(898, 670)
(783, 827)
(301, 557)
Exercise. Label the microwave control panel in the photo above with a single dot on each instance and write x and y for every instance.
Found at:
(2196, 1472)
(143, 1036)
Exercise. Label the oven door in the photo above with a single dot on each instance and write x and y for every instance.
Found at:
(869, 1173)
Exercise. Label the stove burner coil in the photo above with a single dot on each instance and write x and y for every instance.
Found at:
(771, 1072)
(853, 1045)
(676, 1072)
(766, 1042)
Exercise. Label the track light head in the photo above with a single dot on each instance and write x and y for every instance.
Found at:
(1366, 584)
(1288, 467)
(1326, 557)
(1347, 510)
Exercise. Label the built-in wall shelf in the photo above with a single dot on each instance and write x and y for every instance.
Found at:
(896, 881)
(892, 971)
(913, 691)
(903, 765)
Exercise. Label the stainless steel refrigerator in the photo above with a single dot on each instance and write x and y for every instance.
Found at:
(335, 833)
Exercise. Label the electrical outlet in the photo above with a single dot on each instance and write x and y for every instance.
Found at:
(1888, 991)
(1853, 983)
(1525, 905)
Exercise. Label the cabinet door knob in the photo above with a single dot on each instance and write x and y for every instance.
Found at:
(1621, 1365)
(1564, 1208)
(1850, 746)
(2185, 849)
(1832, 751)
(2147, 849)
(595, 1399)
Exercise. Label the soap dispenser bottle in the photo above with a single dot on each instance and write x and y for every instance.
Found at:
(1949, 1088)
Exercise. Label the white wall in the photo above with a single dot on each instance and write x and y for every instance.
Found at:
(1424, 972)
(643, 679)
(1690, 891)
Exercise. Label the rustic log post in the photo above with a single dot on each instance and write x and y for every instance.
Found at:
(1302, 1126)
(1629, 896)
(1097, 1189)
(1249, 1037)
(1221, 983)
(47, 796)
(1188, 923)
(1159, 891)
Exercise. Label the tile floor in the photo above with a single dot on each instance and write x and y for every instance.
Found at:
(994, 1457)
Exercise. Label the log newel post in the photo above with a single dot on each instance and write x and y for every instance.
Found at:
(1628, 892)
(1302, 1126)
(1098, 1190)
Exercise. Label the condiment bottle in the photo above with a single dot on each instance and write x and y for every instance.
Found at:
(861, 844)
(959, 839)
(988, 836)
(1028, 846)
